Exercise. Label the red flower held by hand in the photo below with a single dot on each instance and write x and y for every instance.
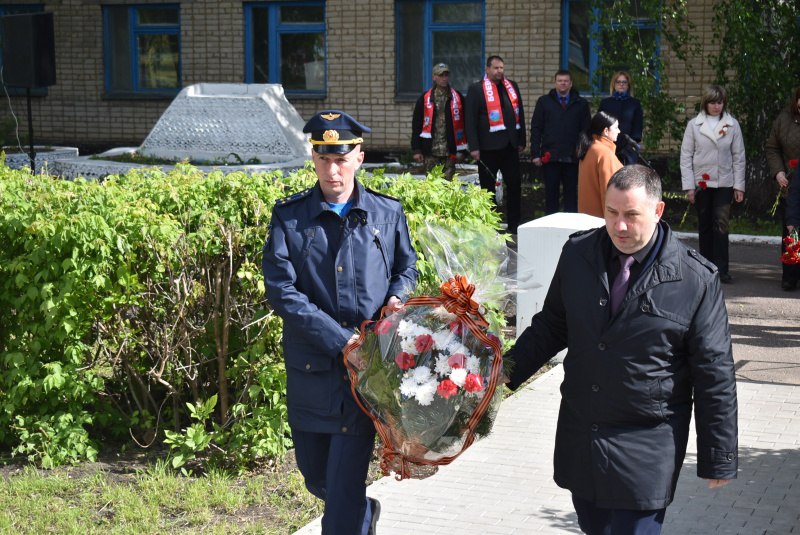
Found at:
(404, 360)
(546, 157)
(447, 389)
(793, 163)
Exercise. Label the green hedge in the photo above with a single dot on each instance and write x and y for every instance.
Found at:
(134, 308)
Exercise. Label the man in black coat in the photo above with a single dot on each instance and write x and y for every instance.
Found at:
(438, 135)
(641, 351)
(496, 133)
(559, 117)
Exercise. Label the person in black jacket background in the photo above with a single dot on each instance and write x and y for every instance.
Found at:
(438, 134)
(558, 119)
(496, 133)
(628, 111)
(641, 351)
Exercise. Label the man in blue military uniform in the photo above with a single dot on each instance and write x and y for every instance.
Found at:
(335, 255)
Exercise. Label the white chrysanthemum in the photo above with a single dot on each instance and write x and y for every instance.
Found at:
(408, 345)
(425, 393)
(457, 347)
(421, 374)
(442, 339)
(442, 366)
(458, 376)
(442, 313)
(405, 328)
(473, 364)
(422, 330)
(408, 386)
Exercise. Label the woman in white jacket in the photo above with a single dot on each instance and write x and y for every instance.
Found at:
(712, 173)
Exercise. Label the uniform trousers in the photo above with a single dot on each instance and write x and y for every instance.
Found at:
(595, 520)
(556, 175)
(335, 468)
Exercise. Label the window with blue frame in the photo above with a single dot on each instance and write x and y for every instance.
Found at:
(580, 47)
(438, 31)
(285, 44)
(142, 49)
(18, 9)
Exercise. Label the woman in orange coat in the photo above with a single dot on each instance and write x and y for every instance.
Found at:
(596, 151)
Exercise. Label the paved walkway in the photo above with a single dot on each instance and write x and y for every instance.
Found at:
(503, 484)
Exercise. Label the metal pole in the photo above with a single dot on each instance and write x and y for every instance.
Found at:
(32, 152)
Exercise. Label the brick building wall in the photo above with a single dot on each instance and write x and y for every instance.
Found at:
(360, 63)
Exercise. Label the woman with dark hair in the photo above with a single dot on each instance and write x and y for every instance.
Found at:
(628, 110)
(783, 147)
(712, 173)
(597, 162)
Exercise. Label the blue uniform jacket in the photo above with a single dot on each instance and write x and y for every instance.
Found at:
(324, 275)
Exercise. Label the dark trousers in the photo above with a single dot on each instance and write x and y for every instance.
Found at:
(713, 207)
(597, 521)
(507, 161)
(335, 470)
(557, 175)
(791, 272)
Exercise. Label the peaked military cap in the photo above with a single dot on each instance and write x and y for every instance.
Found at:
(334, 132)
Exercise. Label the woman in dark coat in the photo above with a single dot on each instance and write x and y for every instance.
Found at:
(628, 111)
(783, 152)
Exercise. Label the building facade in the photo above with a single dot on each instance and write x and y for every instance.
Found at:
(119, 64)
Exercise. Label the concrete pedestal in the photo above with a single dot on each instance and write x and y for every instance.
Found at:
(539, 244)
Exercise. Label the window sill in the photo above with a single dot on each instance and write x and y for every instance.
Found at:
(301, 95)
(139, 96)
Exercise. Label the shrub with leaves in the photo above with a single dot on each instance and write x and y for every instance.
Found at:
(135, 307)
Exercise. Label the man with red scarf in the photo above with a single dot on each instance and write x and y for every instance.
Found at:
(437, 129)
(496, 133)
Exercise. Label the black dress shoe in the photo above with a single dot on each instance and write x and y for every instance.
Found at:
(788, 286)
(725, 278)
(376, 514)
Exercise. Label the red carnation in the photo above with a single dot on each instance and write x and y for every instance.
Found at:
(703, 184)
(457, 360)
(446, 389)
(456, 327)
(382, 327)
(473, 383)
(493, 338)
(423, 343)
(706, 176)
(404, 360)
(546, 157)
(793, 164)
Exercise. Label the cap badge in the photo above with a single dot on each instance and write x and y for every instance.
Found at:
(331, 116)
(330, 136)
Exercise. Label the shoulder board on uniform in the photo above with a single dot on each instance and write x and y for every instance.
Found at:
(581, 233)
(295, 197)
(708, 264)
(379, 194)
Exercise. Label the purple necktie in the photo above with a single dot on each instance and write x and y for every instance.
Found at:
(620, 286)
